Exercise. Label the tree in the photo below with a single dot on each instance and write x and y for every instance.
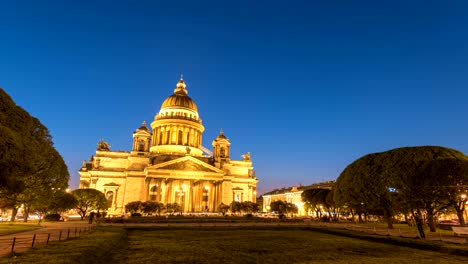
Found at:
(249, 207)
(172, 208)
(236, 207)
(223, 208)
(89, 200)
(133, 207)
(291, 208)
(150, 207)
(30, 167)
(375, 182)
(452, 183)
(60, 202)
(278, 207)
(316, 199)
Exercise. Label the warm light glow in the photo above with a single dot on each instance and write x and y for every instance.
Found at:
(300, 205)
(184, 186)
(463, 196)
(206, 187)
(67, 190)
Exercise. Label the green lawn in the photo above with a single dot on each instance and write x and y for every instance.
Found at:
(95, 247)
(227, 245)
(7, 228)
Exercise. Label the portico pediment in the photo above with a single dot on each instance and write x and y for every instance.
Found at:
(187, 163)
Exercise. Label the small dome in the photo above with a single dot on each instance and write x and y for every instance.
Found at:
(221, 136)
(143, 127)
(180, 98)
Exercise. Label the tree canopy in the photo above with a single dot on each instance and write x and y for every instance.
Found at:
(30, 167)
(89, 200)
(416, 177)
(282, 207)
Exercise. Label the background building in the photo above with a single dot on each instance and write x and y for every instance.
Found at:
(168, 164)
(292, 195)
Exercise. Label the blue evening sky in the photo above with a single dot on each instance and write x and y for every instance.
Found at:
(305, 86)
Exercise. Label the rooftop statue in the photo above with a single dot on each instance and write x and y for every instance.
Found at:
(103, 146)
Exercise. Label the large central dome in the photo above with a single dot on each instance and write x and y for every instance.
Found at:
(180, 98)
(177, 128)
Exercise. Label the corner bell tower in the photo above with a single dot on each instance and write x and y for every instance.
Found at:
(221, 145)
(141, 139)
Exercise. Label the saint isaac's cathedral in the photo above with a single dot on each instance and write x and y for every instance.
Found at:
(168, 164)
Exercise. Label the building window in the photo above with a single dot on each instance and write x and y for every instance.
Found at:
(222, 152)
(237, 197)
(153, 193)
(110, 198)
(141, 145)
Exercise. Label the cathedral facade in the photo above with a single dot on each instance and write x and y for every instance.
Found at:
(168, 164)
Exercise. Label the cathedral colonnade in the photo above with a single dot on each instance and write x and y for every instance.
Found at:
(191, 195)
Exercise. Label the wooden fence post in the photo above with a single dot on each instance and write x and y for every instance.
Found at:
(75, 230)
(68, 234)
(33, 240)
(48, 237)
(60, 235)
(13, 245)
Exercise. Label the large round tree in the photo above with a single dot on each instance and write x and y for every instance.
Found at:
(381, 183)
(30, 167)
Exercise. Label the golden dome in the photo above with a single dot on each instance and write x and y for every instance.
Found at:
(180, 98)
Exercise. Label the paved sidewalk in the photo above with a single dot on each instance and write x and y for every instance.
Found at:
(51, 231)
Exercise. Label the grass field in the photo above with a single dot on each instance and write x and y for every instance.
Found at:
(7, 228)
(226, 245)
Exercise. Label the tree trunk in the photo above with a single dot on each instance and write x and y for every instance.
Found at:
(14, 211)
(419, 224)
(461, 219)
(388, 218)
(26, 214)
(359, 218)
(430, 220)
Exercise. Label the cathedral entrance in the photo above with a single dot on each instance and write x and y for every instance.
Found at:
(180, 199)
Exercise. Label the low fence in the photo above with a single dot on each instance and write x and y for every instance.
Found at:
(22, 242)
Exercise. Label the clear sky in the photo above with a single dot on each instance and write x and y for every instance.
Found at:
(305, 86)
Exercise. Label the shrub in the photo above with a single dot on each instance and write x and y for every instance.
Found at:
(52, 217)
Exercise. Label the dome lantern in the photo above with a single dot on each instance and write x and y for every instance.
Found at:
(181, 86)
